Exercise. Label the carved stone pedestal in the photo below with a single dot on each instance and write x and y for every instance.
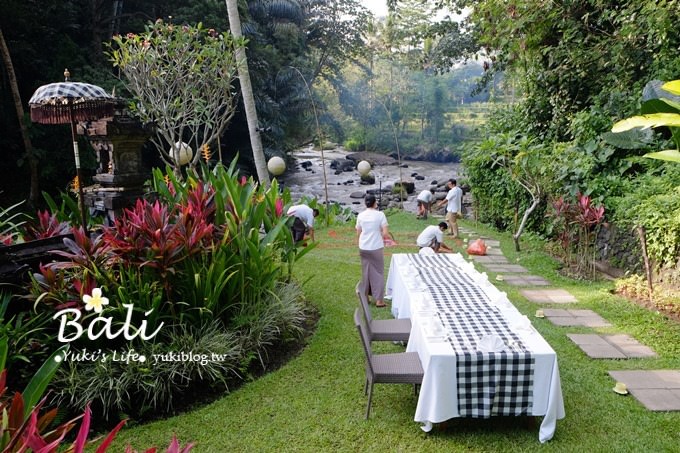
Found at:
(120, 175)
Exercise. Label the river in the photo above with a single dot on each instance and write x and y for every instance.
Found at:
(310, 183)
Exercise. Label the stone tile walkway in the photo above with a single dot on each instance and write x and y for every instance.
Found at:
(494, 251)
(553, 296)
(620, 346)
(657, 390)
(492, 259)
(525, 280)
(492, 267)
(584, 318)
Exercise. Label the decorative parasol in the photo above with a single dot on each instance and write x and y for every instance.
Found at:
(67, 103)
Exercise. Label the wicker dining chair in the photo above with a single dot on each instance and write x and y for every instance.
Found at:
(395, 368)
(383, 329)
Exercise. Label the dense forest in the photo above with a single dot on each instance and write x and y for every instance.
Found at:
(306, 58)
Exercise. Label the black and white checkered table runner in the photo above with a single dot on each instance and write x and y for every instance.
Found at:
(467, 327)
(496, 383)
(489, 383)
(440, 276)
(429, 261)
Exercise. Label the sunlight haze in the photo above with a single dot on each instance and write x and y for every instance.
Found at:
(377, 7)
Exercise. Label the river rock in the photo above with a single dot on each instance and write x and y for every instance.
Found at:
(409, 186)
(343, 165)
(368, 179)
(357, 194)
(420, 178)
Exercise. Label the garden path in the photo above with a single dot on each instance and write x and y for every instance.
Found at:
(656, 390)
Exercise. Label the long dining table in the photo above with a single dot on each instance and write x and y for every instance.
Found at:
(481, 357)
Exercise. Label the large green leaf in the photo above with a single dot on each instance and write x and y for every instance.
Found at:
(672, 87)
(41, 379)
(645, 121)
(3, 352)
(631, 139)
(661, 105)
(672, 155)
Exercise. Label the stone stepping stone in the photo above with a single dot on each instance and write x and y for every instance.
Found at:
(554, 296)
(494, 251)
(657, 390)
(507, 268)
(525, 280)
(620, 346)
(584, 318)
(489, 259)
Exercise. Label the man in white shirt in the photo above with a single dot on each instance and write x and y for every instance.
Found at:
(433, 237)
(304, 221)
(424, 200)
(454, 206)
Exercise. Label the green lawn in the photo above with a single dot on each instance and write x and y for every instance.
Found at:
(316, 401)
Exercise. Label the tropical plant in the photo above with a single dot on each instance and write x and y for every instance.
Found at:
(25, 334)
(182, 361)
(203, 267)
(22, 427)
(576, 230)
(10, 223)
(182, 79)
(47, 226)
(660, 111)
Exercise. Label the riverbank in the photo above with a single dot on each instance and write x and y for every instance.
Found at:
(306, 176)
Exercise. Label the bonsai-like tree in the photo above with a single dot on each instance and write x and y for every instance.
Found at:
(181, 78)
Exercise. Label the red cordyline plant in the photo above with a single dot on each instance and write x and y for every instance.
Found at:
(577, 224)
(22, 429)
(47, 226)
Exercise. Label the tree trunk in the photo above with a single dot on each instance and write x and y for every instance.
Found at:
(28, 146)
(645, 257)
(247, 92)
(525, 217)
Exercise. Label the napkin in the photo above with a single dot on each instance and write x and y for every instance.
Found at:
(426, 251)
(490, 343)
(521, 323)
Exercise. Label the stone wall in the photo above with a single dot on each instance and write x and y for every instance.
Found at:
(620, 248)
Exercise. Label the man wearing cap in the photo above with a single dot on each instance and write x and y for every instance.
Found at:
(433, 237)
(424, 200)
(304, 221)
(454, 205)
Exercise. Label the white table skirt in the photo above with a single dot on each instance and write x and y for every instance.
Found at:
(438, 400)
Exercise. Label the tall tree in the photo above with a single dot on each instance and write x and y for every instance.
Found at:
(28, 146)
(247, 93)
(182, 79)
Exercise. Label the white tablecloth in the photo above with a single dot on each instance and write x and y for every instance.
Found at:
(438, 400)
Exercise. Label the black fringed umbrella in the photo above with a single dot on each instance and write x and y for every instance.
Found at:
(68, 103)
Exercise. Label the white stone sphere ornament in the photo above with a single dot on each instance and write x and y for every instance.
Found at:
(276, 166)
(363, 168)
(182, 153)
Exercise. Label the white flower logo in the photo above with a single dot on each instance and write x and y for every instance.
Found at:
(95, 301)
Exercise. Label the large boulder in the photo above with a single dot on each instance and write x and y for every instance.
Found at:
(343, 165)
(409, 186)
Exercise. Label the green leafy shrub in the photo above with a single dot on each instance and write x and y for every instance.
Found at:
(136, 388)
(209, 259)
